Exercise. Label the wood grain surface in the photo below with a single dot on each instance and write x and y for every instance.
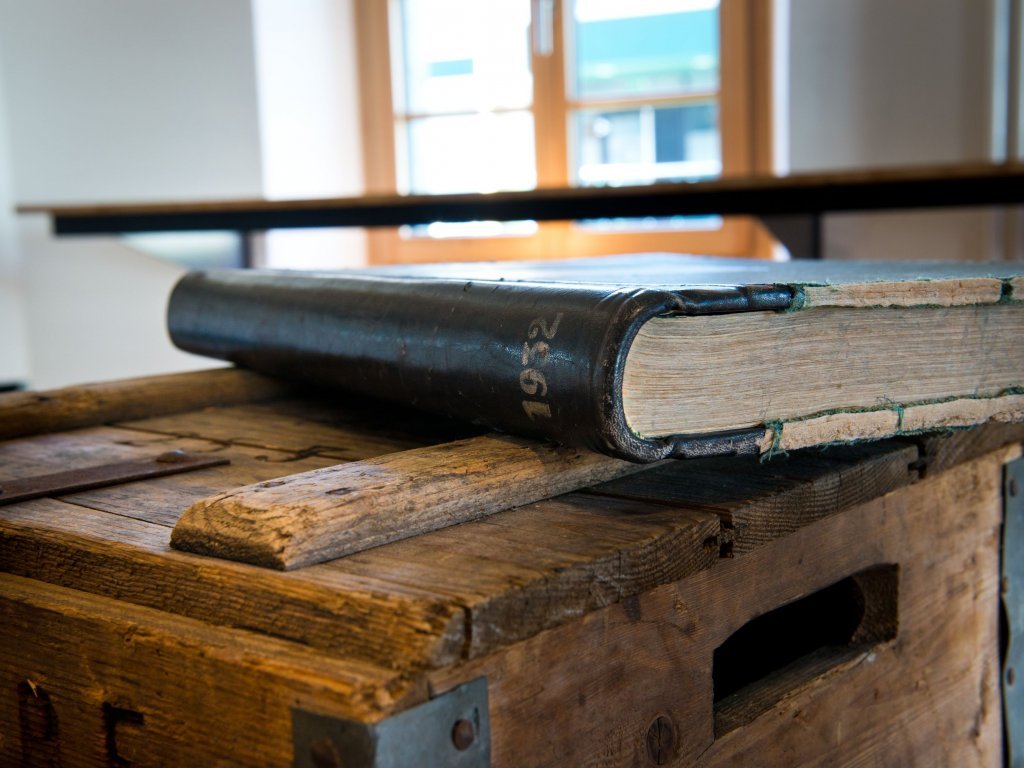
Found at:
(525, 570)
(327, 513)
(586, 693)
(86, 405)
(759, 501)
(939, 452)
(143, 687)
(591, 613)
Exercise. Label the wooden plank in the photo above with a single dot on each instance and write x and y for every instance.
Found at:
(302, 429)
(316, 516)
(500, 569)
(86, 405)
(762, 501)
(948, 637)
(372, 416)
(346, 615)
(163, 500)
(502, 578)
(586, 693)
(944, 450)
(160, 500)
(80, 448)
(142, 687)
(522, 571)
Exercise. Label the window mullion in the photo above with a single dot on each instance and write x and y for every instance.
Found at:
(735, 103)
(549, 111)
(377, 109)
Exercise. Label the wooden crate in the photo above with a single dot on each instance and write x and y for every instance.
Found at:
(616, 625)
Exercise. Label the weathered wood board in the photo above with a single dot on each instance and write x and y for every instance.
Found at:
(127, 685)
(591, 613)
(928, 697)
(316, 516)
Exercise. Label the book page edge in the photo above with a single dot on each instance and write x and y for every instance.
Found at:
(909, 293)
(852, 426)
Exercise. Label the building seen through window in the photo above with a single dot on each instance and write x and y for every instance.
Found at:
(519, 94)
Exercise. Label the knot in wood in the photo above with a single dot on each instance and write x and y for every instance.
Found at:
(661, 740)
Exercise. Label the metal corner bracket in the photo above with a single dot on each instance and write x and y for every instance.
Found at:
(450, 731)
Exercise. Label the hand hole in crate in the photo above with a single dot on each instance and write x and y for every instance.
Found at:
(779, 651)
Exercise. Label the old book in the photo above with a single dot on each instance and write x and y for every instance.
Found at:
(642, 357)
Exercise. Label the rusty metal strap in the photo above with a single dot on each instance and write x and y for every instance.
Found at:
(73, 480)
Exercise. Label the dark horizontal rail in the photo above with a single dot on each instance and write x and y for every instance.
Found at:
(763, 196)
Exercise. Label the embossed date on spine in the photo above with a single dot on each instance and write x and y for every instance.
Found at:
(532, 380)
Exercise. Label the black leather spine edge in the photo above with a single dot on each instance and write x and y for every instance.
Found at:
(615, 436)
(541, 359)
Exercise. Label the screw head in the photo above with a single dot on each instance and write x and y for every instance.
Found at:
(463, 734)
(324, 754)
(661, 740)
(172, 457)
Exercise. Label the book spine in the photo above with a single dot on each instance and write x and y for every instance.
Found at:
(536, 359)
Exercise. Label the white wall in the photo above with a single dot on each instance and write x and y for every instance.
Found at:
(309, 123)
(14, 366)
(876, 83)
(108, 100)
(145, 99)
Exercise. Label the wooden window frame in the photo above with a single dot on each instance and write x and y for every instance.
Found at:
(744, 119)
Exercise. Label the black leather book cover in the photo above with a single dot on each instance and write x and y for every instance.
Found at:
(535, 349)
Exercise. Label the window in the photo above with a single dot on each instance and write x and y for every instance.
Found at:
(470, 96)
(643, 91)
